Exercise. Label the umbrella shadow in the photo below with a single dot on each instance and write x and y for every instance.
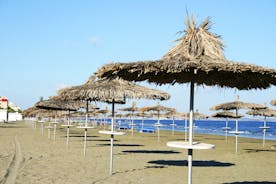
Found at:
(124, 145)
(4, 126)
(11, 126)
(252, 182)
(196, 163)
(82, 136)
(258, 150)
(103, 140)
(151, 151)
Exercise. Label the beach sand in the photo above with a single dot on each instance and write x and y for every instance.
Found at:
(28, 157)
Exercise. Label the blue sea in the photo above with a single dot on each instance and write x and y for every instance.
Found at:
(214, 127)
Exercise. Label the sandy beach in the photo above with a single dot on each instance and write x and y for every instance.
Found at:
(28, 157)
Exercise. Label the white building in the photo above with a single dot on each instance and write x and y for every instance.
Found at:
(11, 116)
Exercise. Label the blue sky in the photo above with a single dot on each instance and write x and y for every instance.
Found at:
(46, 45)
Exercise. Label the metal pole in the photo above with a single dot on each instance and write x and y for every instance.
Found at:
(67, 140)
(185, 128)
(55, 129)
(68, 129)
(226, 130)
(190, 151)
(173, 126)
(85, 139)
(85, 130)
(236, 136)
(158, 133)
(111, 140)
(264, 131)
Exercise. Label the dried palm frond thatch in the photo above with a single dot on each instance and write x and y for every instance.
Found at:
(107, 90)
(273, 102)
(236, 105)
(262, 112)
(52, 104)
(198, 56)
(226, 114)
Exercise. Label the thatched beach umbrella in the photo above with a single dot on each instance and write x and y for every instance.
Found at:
(104, 112)
(158, 109)
(60, 105)
(172, 114)
(79, 93)
(197, 58)
(236, 105)
(112, 91)
(131, 109)
(196, 116)
(226, 114)
(273, 102)
(26, 112)
(265, 113)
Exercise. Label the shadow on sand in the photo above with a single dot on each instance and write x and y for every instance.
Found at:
(259, 150)
(151, 151)
(210, 163)
(126, 145)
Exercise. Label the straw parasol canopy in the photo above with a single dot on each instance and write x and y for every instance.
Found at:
(158, 108)
(262, 112)
(196, 115)
(130, 109)
(265, 113)
(106, 90)
(198, 50)
(197, 58)
(103, 111)
(52, 104)
(226, 114)
(273, 102)
(236, 105)
(27, 111)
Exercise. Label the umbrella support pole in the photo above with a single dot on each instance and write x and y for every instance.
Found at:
(190, 162)
(42, 129)
(237, 136)
(264, 131)
(191, 124)
(67, 140)
(173, 130)
(49, 133)
(185, 129)
(85, 143)
(132, 129)
(226, 130)
(158, 134)
(111, 154)
(55, 130)
(236, 143)
(226, 136)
